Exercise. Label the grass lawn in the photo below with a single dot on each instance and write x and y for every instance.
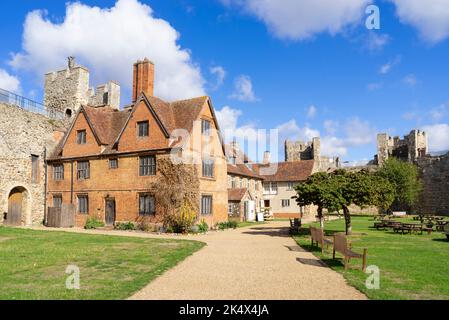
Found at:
(33, 263)
(411, 266)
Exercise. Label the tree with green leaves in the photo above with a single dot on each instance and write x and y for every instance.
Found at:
(340, 189)
(404, 177)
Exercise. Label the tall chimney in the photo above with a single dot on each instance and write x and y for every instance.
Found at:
(143, 78)
(266, 157)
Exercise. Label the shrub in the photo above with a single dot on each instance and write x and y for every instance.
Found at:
(183, 220)
(203, 227)
(93, 223)
(233, 224)
(125, 226)
(227, 225)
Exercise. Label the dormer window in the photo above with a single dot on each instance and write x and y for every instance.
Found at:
(143, 129)
(81, 137)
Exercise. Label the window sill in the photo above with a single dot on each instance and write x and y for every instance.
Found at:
(209, 178)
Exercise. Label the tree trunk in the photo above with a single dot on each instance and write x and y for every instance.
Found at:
(347, 220)
(320, 216)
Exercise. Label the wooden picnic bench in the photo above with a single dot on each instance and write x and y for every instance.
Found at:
(295, 225)
(317, 235)
(344, 247)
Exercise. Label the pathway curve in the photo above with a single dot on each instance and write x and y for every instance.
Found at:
(259, 262)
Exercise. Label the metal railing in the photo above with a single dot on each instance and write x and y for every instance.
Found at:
(29, 105)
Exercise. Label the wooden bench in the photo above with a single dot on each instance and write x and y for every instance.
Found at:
(295, 225)
(317, 235)
(342, 246)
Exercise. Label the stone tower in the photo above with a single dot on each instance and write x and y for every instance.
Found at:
(299, 150)
(412, 147)
(66, 90)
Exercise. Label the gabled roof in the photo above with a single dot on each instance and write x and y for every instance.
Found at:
(288, 171)
(108, 124)
(236, 194)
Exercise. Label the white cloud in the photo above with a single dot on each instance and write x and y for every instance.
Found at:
(109, 41)
(359, 132)
(243, 89)
(220, 73)
(311, 112)
(290, 130)
(430, 17)
(386, 68)
(331, 126)
(376, 42)
(438, 136)
(299, 20)
(410, 80)
(9, 82)
(438, 113)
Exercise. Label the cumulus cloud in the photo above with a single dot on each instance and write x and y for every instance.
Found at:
(311, 112)
(438, 136)
(243, 89)
(430, 17)
(9, 82)
(410, 80)
(386, 68)
(299, 20)
(220, 73)
(290, 130)
(109, 41)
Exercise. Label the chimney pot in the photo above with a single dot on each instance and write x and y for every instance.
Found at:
(267, 157)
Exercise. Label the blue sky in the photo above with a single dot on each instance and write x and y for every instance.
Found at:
(291, 65)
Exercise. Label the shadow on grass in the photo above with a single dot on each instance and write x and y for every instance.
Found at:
(441, 240)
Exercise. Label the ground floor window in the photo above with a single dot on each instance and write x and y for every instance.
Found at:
(206, 205)
(234, 209)
(57, 201)
(147, 204)
(285, 203)
(83, 204)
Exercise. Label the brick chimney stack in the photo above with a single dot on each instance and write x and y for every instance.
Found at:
(143, 78)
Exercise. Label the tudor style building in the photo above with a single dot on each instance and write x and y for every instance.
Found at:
(109, 157)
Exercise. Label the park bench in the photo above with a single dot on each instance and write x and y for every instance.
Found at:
(344, 247)
(317, 235)
(295, 225)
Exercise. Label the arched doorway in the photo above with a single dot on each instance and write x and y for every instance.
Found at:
(17, 206)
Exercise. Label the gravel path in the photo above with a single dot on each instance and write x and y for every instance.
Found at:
(260, 262)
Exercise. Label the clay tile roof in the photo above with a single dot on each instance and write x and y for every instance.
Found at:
(289, 171)
(243, 170)
(106, 122)
(186, 111)
(236, 194)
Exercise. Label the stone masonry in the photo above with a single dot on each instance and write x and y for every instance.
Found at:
(66, 90)
(299, 150)
(410, 148)
(24, 135)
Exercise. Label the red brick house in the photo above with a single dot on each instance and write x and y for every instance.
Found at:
(109, 157)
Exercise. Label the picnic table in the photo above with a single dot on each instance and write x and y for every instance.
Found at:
(441, 224)
(411, 228)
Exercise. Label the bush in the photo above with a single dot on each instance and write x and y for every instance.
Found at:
(227, 225)
(93, 223)
(203, 227)
(125, 226)
(184, 219)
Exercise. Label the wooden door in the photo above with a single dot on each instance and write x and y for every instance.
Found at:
(110, 212)
(14, 215)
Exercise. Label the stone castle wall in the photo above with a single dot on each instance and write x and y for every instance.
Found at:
(23, 134)
(434, 198)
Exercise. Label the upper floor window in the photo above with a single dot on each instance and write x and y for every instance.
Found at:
(34, 169)
(113, 163)
(290, 186)
(146, 204)
(256, 183)
(83, 170)
(205, 127)
(270, 188)
(232, 160)
(147, 166)
(58, 172)
(206, 205)
(208, 168)
(233, 183)
(83, 204)
(143, 128)
(81, 137)
(57, 201)
(285, 203)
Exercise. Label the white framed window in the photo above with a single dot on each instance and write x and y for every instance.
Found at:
(290, 186)
(285, 203)
(206, 205)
